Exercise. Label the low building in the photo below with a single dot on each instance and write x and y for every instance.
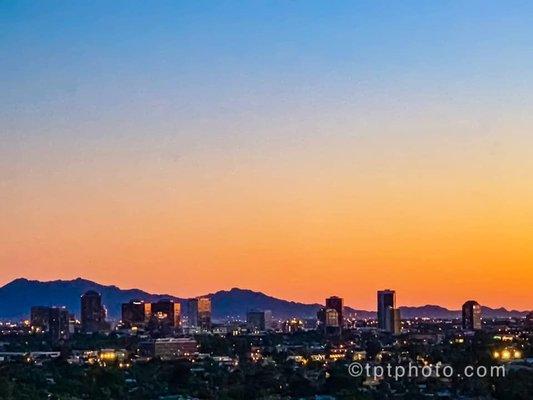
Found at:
(169, 348)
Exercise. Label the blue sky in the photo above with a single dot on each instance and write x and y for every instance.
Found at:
(211, 58)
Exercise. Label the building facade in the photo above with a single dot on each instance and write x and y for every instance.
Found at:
(169, 348)
(93, 313)
(257, 320)
(471, 314)
(58, 324)
(134, 314)
(167, 312)
(389, 319)
(337, 304)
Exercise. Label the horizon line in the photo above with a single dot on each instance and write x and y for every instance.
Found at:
(254, 291)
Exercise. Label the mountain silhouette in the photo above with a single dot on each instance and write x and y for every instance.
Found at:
(18, 296)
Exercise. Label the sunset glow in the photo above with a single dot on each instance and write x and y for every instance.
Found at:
(299, 157)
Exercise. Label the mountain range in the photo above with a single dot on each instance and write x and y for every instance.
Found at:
(18, 296)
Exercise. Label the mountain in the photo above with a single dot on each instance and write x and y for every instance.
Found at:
(18, 296)
(238, 301)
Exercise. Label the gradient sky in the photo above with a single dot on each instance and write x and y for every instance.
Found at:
(300, 148)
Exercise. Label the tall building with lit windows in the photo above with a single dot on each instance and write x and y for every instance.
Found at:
(39, 317)
(134, 313)
(471, 314)
(58, 324)
(337, 304)
(93, 313)
(167, 312)
(197, 313)
(54, 320)
(389, 319)
(204, 313)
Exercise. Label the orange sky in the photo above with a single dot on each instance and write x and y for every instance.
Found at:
(439, 218)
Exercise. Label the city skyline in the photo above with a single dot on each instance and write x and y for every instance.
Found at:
(331, 302)
(300, 149)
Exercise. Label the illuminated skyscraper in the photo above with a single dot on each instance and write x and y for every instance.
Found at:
(198, 313)
(204, 313)
(39, 317)
(93, 313)
(396, 327)
(331, 317)
(336, 303)
(471, 315)
(134, 313)
(388, 315)
(58, 324)
(54, 320)
(191, 313)
(257, 320)
(167, 312)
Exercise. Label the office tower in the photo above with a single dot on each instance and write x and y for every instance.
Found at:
(328, 321)
(257, 320)
(204, 313)
(321, 318)
(58, 324)
(54, 320)
(73, 324)
(197, 313)
(388, 315)
(191, 314)
(39, 317)
(167, 312)
(134, 313)
(331, 319)
(336, 303)
(397, 321)
(92, 313)
(471, 315)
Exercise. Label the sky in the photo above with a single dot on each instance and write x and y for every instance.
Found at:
(299, 148)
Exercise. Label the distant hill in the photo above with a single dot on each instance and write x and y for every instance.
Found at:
(18, 296)
(236, 302)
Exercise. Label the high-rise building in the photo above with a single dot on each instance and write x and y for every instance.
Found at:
(396, 328)
(167, 312)
(54, 320)
(93, 313)
(328, 321)
(388, 315)
(191, 313)
(58, 324)
(331, 318)
(257, 320)
(336, 303)
(39, 317)
(197, 313)
(471, 315)
(204, 313)
(134, 313)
